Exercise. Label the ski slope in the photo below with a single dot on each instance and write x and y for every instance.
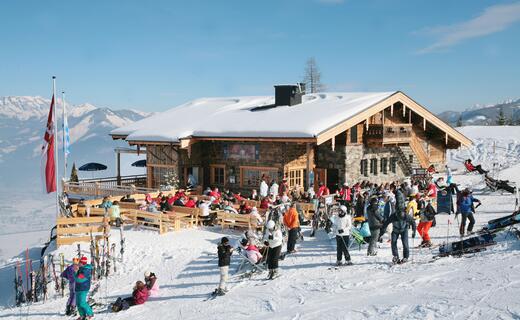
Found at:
(481, 286)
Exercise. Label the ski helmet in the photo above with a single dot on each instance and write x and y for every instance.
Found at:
(270, 224)
(83, 260)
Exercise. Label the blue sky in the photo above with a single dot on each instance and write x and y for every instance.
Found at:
(151, 55)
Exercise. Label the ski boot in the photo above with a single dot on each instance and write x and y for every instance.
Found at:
(427, 244)
(339, 264)
(348, 263)
(270, 274)
(220, 292)
(395, 260)
(403, 260)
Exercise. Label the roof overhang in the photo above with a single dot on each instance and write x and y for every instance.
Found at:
(385, 103)
(188, 141)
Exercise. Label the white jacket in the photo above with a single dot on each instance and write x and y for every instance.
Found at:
(277, 239)
(274, 189)
(264, 188)
(344, 224)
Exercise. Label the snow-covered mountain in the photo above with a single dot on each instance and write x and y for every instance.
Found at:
(22, 124)
(484, 115)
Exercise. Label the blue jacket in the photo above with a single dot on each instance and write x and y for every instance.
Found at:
(83, 278)
(466, 204)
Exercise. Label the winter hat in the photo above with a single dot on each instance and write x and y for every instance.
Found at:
(243, 242)
(224, 240)
(147, 274)
(75, 260)
(83, 260)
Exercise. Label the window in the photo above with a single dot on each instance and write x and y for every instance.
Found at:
(250, 176)
(393, 164)
(410, 158)
(364, 167)
(217, 174)
(384, 165)
(164, 176)
(373, 166)
(353, 134)
(296, 177)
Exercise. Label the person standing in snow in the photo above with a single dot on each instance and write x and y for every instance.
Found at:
(400, 221)
(375, 222)
(466, 210)
(224, 251)
(273, 190)
(427, 215)
(83, 279)
(292, 223)
(264, 188)
(273, 239)
(68, 274)
(341, 228)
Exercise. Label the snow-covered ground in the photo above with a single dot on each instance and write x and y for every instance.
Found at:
(480, 286)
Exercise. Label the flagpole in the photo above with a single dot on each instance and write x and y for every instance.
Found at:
(64, 142)
(55, 118)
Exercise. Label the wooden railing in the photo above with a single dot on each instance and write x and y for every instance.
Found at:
(389, 134)
(72, 230)
(416, 147)
(103, 187)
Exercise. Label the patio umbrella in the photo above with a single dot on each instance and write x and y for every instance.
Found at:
(139, 163)
(92, 166)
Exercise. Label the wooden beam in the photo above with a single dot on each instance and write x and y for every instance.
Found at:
(392, 110)
(327, 134)
(446, 139)
(258, 139)
(409, 115)
(404, 111)
(424, 124)
(334, 143)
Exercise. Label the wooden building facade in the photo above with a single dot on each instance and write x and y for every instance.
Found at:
(385, 141)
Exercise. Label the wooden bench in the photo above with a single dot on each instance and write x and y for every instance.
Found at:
(71, 230)
(194, 213)
(237, 220)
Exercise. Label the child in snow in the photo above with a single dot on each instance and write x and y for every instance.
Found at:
(82, 280)
(150, 279)
(68, 274)
(139, 296)
(342, 225)
(224, 251)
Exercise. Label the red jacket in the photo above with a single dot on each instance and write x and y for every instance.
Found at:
(432, 190)
(264, 204)
(345, 194)
(140, 296)
(323, 191)
(190, 204)
(239, 198)
(215, 195)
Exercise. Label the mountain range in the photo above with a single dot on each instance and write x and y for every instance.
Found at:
(484, 115)
(22, 125)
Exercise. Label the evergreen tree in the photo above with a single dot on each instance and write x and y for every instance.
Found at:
(74, 174)
(501, 119)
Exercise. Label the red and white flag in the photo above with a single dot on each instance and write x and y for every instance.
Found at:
(48, 161)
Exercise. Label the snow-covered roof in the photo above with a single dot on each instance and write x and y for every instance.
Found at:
(233, 117)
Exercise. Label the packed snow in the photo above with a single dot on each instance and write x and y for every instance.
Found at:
(484, 285)
(233, 117)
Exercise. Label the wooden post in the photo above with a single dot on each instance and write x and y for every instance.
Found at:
(404, 110)
(424, 124)
(160, 223)
(334, 143)
(392, 110)
(308, 165)
(409, 115)
(446, 139)
(118, 167)
(383, 117)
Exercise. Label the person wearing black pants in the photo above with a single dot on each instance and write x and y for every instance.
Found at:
(341, 227)
(467, 209)
(292, 223)
(274, 239)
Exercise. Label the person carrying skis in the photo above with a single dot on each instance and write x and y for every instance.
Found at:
(150, 279)
(68, 274)
(224, 251)
(342, 224)
(375, 222)
(292, 223)
(466, 210)
(400, 221)
(273, 239)
(83, 279)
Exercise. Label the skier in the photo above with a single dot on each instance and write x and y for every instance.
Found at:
(224, 251)
(467, 209)
(292, 223)
(341, 227)
(400, 221)
(375, 222)
(427, 215)
(274, 239)
(150, 279)
(139, 296)
(68, 274)
(82, 279)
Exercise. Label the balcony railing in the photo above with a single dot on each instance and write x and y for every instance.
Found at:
(108, 186)
(389, 134)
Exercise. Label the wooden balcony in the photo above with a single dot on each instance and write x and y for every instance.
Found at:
(110, 186)
(378, 134)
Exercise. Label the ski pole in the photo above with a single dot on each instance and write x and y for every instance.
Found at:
(448, 233)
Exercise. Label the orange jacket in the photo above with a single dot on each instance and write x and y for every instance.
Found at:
(290, 219)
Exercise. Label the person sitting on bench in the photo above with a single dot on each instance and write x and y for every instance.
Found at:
(470, 167)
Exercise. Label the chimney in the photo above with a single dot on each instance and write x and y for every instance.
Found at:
(288, 95)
